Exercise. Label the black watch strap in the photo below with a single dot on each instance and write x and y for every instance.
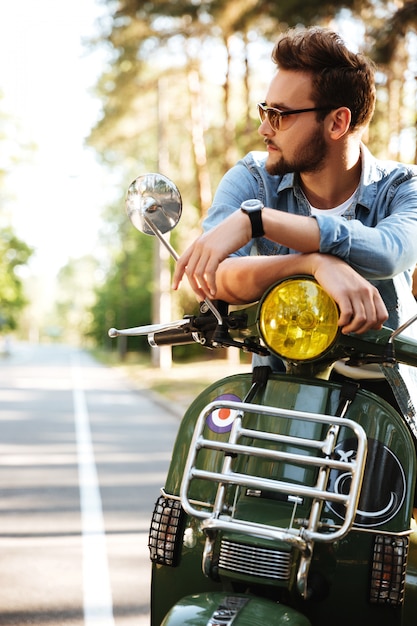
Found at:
(253, 208)
(257, 226)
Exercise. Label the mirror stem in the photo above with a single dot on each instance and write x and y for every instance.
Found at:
(166, 243)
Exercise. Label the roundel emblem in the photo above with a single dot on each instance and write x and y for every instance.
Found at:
(221, 420)
(383, 488)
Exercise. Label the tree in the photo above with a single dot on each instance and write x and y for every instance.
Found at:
(394, 50)
(124, 298)
(175, 44)
(14, 253)
(75, 296)
(392, 32)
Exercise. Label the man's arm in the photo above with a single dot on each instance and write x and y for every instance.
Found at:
(201, 260)
(244, 279)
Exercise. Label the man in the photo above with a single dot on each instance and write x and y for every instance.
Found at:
(331, 209)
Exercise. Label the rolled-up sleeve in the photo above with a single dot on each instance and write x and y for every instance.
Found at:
(377, 250)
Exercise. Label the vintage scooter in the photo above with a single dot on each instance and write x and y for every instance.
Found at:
(289, 497)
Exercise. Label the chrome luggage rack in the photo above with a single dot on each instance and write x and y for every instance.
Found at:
(216, 516)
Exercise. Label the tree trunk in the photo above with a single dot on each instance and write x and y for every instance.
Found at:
(198, 140)
(229, 118)
(397, 115)
(246, 87)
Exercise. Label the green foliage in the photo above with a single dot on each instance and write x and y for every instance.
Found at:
(14, 253)
(74, 296)
(390, 33)
(124, 298)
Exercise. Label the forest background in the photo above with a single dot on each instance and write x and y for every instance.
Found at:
(178, 90)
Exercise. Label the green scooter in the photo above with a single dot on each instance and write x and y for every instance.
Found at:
(289, 497)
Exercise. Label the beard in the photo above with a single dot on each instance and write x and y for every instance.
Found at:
(308, 157)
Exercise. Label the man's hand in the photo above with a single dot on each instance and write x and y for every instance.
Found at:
(201, 260)
(360, 303)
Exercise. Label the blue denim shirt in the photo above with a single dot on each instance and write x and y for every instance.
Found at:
(377, 235)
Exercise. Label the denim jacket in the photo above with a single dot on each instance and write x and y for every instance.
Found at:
(377, 236)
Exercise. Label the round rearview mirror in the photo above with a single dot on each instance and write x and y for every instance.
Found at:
(154, 199)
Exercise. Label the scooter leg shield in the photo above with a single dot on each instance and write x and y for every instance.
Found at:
(212, 609)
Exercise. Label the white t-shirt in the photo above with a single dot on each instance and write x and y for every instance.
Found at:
(337, 210)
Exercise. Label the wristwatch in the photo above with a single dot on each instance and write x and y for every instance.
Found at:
(253, 208)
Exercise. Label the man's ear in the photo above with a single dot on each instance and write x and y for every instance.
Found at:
(339, 122)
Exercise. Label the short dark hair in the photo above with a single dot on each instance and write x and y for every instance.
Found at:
(340, 77)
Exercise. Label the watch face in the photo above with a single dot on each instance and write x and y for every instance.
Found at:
(249, 206)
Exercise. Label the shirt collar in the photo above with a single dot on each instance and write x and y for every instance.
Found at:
(369, 176)
(288, 181)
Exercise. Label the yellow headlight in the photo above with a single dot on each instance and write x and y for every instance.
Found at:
(298, 319)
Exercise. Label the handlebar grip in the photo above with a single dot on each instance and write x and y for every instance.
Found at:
(173, 337)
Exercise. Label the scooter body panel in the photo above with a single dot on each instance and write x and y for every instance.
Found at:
(341, 571)
(213, 609)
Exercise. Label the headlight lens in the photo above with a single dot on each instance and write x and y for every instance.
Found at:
(298, 319)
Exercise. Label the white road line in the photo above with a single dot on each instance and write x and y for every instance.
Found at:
(98, 603)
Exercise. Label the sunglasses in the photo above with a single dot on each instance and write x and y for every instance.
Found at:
(274, 116)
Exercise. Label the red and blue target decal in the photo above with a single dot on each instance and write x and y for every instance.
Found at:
(221, 420)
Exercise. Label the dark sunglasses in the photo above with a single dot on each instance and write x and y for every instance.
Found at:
(274, 116)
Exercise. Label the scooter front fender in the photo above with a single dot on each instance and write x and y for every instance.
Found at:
(212, 609)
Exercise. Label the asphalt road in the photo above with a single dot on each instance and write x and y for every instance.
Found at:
(82, 458)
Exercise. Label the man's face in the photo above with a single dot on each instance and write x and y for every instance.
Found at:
(299, 145)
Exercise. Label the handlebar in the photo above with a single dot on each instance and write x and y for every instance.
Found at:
(174, 337)
(383, 346)
(203, 329)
